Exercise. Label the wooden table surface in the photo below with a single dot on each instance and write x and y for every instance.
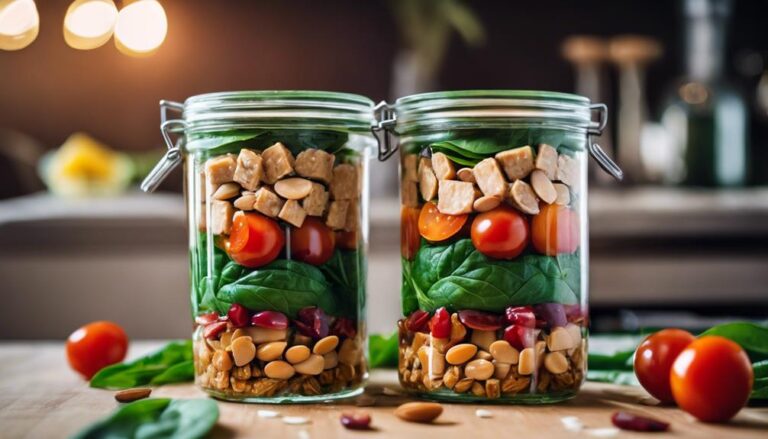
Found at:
(40, 397)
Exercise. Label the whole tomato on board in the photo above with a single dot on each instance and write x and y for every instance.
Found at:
(654, 358)
(95, 346)
(313, 242)
(254, 240)
(712, 378)
(501, 233)
(435, 226)
(555, 230)
(410, 240)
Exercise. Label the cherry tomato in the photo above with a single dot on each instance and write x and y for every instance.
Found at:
(501, 233)
(346, 240)
(555, 230)
(654, 358)
(712, 378)
(435, 226)
(410, 241)
(313, 242)
(96, 346)
(255, 240)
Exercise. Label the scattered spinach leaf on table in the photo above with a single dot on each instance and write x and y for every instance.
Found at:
(752, 337)
(382, 350)
(156, 418)
(171, 364)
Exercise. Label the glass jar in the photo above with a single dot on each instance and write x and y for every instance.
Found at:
(276, 189)
(494, 243)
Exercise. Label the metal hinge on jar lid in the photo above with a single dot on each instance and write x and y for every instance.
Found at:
(382, 129)
(595, 150)
(172, 157)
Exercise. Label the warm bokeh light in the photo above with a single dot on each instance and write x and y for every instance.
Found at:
(19, 24)
(89, 23)
(141, 28)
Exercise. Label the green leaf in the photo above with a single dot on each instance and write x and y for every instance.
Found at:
(171, 364)
(156, 418)
(296, 140)
(752, 337)
(383, 350)
(622, 377)
(343, 271)
(457, 276)
(759, 388)
(619, 361)
(283, 285)
(760, 369)
(408, 298)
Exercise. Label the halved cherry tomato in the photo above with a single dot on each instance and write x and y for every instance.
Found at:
(654, 358)
(95, 346)
(410, 240)
(555, 230)
(346, 240)
(712, 378)
(313, 242)
(501, 233)
(435, 226)
(255, 240)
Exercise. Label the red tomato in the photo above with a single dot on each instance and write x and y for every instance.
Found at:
(96, 346)
(501, 233)
(435, 226)
(346, 240)
(556, 230)
(313, 242)
(255, 240)
(410, 241)
(654, 358)
(712, 379)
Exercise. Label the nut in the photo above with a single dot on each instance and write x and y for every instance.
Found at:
(560, 339)
(432, 360)
(279, 370)
(245, 202)
(540, 348)
(221, 380)
(527, 364)
(325, 345)
(546, 160)
(129, 395)
(264, 335)
(463, 385)
(486, 203)
(483, 339)
(575, 332)
(568, 170)
(477, 389)
(441, 344)
(483, 355)
(461, 353)
(238, 333)
(458, 331)
(330, 360)
(271, 351)
(479, 369)
(311, 366)
(503, 352)
(451, 376)
(419, 411)
(501, 370)
(466, 174)
(493, 388)
(243, 350)
(297, 354)
(242, 372)
(227, 191)
(563, 194)
(512, 384)
(543, 186)
(556, 363)
(349, 352)
(524, 198)
(293, 188)
(221, 361)
(225, 340)
(419, 340)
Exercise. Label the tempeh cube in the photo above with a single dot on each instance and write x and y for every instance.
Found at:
(410, 163)
(249, 171)
(489, 178)
(267, 202)
(221, 217)
(337, 214)
(517, 163)
(352, 222)
(443, 166)
(220, 170)
(546, 160)
(315, 164)
(427, 180)
(316, 201)
(292, 213)
(455, 197)
(344, 185)
(278, 162)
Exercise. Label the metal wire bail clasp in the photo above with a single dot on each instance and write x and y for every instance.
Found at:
(172, 157)
(385, 120)
(595, 150)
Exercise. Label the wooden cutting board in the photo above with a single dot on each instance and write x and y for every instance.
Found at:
(40, 397)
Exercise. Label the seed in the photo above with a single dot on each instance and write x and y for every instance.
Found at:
(311, 366)
(479, 369)
(293, 188)
(556, 363)
(271, 351)
(504, 352)
(129, 395)
(559, 339)
(243, 350)
(297, 354)
(279, 370)
(325, 345)
(424, 412)
(501, 370)
(267, 414)
(483, 339)
(461, 353)
(330, 360)
(358, 420)
(295, 420)
(527, 362)
(466, 174)
(486, 203)
(482, 413)
(221, 361)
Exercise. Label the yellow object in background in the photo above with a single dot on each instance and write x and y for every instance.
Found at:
(83, 166)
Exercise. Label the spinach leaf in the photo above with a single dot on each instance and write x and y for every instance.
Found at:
(622, 377)
(157, 418)
(344, 271)
(296, 140)
(383, 350)
(409, 301)
(752, 337)
(223, 270)
(283, 285)
(457, 276)
(760, 369)
(171, 364)
(621, 360)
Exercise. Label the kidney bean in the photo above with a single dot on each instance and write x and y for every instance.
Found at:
(212, 330)
(270, 320)
(238, 315)
(204, 319)
(520, 315)
(552, 313)
(575, 312)
(633, 422)
(440, 324)
(312, 322)
(519, 337)
(343, 327)
(418, 321)
(479, 320)
(356, 420)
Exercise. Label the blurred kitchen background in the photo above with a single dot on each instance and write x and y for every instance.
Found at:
(683, 241)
